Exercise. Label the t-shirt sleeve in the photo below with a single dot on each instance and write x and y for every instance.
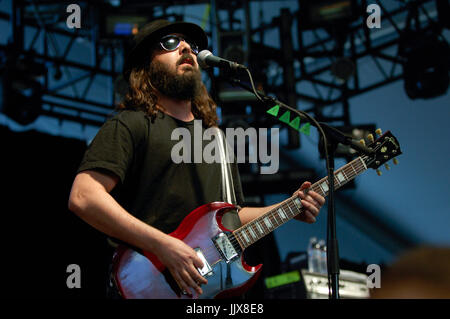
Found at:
(112, 149)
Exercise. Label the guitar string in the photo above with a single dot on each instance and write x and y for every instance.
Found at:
(212, 256)
(352, 169)
(211, 251)
(356, 164)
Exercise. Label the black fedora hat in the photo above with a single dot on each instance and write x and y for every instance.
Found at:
(152, 32)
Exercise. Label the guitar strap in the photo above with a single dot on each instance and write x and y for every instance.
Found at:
(228, 195)
(226, 154)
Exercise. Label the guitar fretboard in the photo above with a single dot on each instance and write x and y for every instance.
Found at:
(288, 209)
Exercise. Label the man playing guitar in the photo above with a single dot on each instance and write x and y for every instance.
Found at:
(128, 187)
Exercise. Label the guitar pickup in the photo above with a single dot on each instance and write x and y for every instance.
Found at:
(206, 270)
(225, 247)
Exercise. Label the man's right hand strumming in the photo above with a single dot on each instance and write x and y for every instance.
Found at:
(182, 262)
(91, 201)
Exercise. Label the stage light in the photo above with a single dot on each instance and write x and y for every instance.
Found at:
(322, 13)
(427, 65)
(343, 69)
(21, 89)
(22, 107)
(122, 25)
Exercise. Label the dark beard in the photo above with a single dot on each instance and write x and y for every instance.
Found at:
(182, 87)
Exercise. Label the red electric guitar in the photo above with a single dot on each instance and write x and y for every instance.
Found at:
(144, 276)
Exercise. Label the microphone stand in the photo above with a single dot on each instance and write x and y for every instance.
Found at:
(331, 137)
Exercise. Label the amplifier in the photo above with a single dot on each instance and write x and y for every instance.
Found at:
(351, 285)
(302, 284)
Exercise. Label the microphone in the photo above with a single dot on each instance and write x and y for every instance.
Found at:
(206, 59)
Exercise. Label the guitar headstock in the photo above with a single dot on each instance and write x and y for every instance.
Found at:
(385, 147)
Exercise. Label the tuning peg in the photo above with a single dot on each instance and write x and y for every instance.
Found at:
(370, 138)
(379, 172)
(379, 132)
(362, 141)
(395, 161)
(387, 166)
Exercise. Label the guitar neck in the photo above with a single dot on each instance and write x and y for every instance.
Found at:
(288, 209)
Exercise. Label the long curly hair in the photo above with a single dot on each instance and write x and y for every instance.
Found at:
(141, 95)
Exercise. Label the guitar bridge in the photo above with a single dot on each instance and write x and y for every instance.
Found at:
(206, 270)
(225, 247)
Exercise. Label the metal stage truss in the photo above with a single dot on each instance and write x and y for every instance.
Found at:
(307, 57)
(315, 69)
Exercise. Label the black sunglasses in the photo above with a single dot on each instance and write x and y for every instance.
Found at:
(172, 42)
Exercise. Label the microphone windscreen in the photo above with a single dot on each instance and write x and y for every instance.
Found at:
(201, 58)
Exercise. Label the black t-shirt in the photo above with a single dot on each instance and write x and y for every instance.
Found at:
(152, 186)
